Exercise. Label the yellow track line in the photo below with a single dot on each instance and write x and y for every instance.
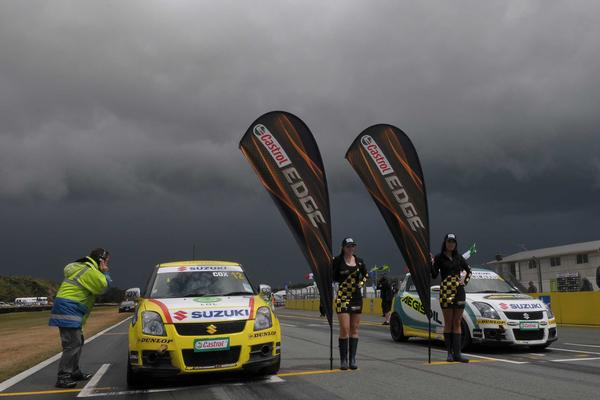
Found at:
(38, 392)
(456, 362)
(300, 373)
(580, 326)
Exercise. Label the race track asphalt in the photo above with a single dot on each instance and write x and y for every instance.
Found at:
(569, 369)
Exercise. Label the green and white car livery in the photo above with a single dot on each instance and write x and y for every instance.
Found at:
(495, 312)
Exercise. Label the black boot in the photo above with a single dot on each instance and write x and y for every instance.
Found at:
(65, 382)
(457, 344)
(448, 343)
(81, 376)
(343, 353)
(353, 347)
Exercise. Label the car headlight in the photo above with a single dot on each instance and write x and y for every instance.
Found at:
(486, 310)
(263, 319)
(152, 324)
(549, 312)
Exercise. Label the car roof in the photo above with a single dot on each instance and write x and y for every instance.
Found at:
(194, 263)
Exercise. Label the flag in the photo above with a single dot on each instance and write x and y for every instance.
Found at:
(382, 268)
(387, 163)
(285, 156)
(471, 252)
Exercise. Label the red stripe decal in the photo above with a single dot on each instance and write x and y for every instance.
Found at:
(251, 305)
(164, 310)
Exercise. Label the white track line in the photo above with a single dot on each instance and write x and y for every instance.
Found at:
(88, 389)
(574, 351)
(576, 359)
(497, 359)
(271, 379)
(584, 345)
(290, 325)
(27, 373)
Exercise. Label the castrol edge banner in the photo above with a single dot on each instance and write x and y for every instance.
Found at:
(386, 161)
(285, 156)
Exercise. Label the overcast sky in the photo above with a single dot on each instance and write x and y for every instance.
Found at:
(119, 125)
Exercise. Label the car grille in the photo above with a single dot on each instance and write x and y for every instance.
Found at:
(533, 315)
(498, 334)
(537, 334)
(202, 329)
(211, 358)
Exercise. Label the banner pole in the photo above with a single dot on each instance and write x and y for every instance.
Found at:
(429, 344)
(331, 345)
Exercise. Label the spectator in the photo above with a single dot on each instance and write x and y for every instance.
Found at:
(386, 293)
(532, 288)
(586, 285)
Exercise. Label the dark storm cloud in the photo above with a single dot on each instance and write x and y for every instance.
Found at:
(127, 115)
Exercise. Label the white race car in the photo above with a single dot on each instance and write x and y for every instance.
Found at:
(495, 312)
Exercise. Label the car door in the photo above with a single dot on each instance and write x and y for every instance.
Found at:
(411, 311)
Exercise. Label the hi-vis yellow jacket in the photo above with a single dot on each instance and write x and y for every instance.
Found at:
(77, 293)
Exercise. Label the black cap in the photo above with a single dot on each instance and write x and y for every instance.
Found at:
(99, 254)
(451, 237)
(348, 242)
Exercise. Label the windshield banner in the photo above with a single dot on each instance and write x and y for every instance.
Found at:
(200, 268)
(285, 156)
(386, 161)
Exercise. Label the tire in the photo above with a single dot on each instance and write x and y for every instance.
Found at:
(539, 347)
(465, 336)
(272, 370)
(134, 379)
(397, 329)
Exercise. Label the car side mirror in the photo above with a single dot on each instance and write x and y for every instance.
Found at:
(265, 291)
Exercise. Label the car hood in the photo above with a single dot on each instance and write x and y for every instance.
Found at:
(206, 309)
(509, 301)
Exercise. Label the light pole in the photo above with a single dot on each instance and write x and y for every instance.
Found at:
(538, 264)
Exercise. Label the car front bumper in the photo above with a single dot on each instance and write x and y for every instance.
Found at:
(514, 336)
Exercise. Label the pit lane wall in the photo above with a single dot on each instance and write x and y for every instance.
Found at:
(370, 306)
(576, 308)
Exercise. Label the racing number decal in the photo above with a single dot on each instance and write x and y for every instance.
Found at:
(238, 275)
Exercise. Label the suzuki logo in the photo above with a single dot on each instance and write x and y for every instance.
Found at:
(503, 306)
(181, 269)
(180, 315)
(526, 316)
(211, 329)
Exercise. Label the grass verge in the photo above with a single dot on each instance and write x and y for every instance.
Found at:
(29, 340)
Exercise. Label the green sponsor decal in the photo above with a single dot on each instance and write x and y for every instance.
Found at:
(216, 344)
(207, 299)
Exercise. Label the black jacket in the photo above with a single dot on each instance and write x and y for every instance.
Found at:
(447, 267)
(386, 289)
(341, 270)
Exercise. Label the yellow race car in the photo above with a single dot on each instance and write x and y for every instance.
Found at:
(201, 316)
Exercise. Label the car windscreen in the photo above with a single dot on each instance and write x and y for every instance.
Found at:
(488, 283)
(198, 283)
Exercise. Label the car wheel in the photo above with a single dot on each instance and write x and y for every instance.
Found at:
(539, 347)
(273, 369)
(397, 329)
(465, 336)
(133, 378)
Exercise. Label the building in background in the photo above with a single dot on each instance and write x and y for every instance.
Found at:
(569, 268)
